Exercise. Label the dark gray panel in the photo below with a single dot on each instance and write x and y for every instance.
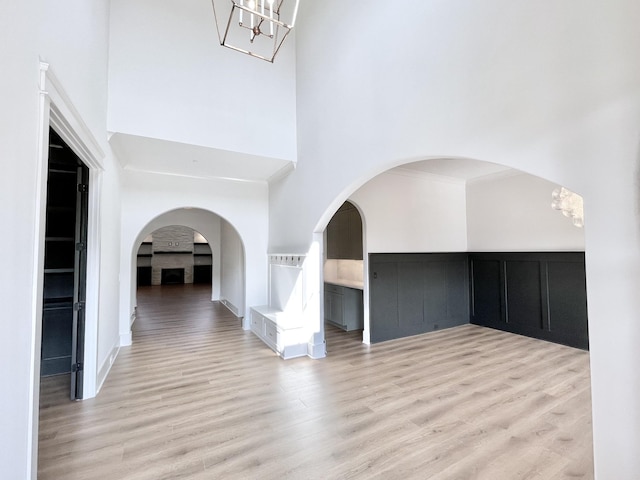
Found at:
(545, 294)
(568, 303)
(435, 295)
(411, 290)
(383, 312)
(327, 304)
(486, 292)
(457, 291)
(337, 311)
(424, 287)
(524, 297)
(352, 303)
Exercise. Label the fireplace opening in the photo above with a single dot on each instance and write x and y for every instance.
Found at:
(172, 276)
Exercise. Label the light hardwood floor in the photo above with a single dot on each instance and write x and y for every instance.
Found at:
(196, 397)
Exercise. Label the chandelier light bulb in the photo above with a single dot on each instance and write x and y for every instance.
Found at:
(570, 204)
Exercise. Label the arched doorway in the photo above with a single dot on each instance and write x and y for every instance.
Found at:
(445, 210)
(343, 270)
(223, 253)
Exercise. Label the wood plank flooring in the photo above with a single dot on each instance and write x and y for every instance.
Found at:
(196, 397)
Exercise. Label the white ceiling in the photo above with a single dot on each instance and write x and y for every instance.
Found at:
(174, 158)
(458, 168)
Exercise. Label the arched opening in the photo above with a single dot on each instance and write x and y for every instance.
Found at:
(427, 222)
(343, 272)
(187, 246)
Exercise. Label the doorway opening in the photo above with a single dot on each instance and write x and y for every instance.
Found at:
(65, 271)
(343, 273)
(174, 255)
(205, 245)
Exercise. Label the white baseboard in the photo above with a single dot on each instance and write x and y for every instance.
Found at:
(230, 306)
(294, 351)
(317, 350)
(106, 366)
(126, 339)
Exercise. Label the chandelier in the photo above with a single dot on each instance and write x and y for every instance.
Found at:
(255, 27)
(570, 204)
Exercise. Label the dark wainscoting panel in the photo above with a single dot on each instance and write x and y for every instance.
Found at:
(538, 294)
(413, 293)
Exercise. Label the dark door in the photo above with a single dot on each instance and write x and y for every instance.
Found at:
(80, 283)
(65, 266)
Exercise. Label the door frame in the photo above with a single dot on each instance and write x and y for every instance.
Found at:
(56, 110)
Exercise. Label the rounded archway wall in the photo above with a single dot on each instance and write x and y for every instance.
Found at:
(459, 205)
(227, 253)
(454, 211)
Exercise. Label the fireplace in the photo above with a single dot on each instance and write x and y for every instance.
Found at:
(172, 276)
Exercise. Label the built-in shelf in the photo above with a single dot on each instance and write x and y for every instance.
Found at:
(145, 255)
(202, 254)
(58, 270)
(50, 307)
(54, 208)
(174, 252)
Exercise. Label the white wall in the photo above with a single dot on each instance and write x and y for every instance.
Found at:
(481, 80)
(146, 196)
(72, 38)
(514, 214)
(408, 212)
(18, 186)
(232, 270)
(109, 296)
(170, 79)
(549, 88)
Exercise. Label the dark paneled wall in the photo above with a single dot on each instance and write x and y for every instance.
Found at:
(538, 294)
(417, 293)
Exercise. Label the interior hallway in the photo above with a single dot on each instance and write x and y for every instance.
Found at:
(196, 397)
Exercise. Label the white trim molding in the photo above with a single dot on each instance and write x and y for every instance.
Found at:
(61, 114)
(230, 306)
(104, 370)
